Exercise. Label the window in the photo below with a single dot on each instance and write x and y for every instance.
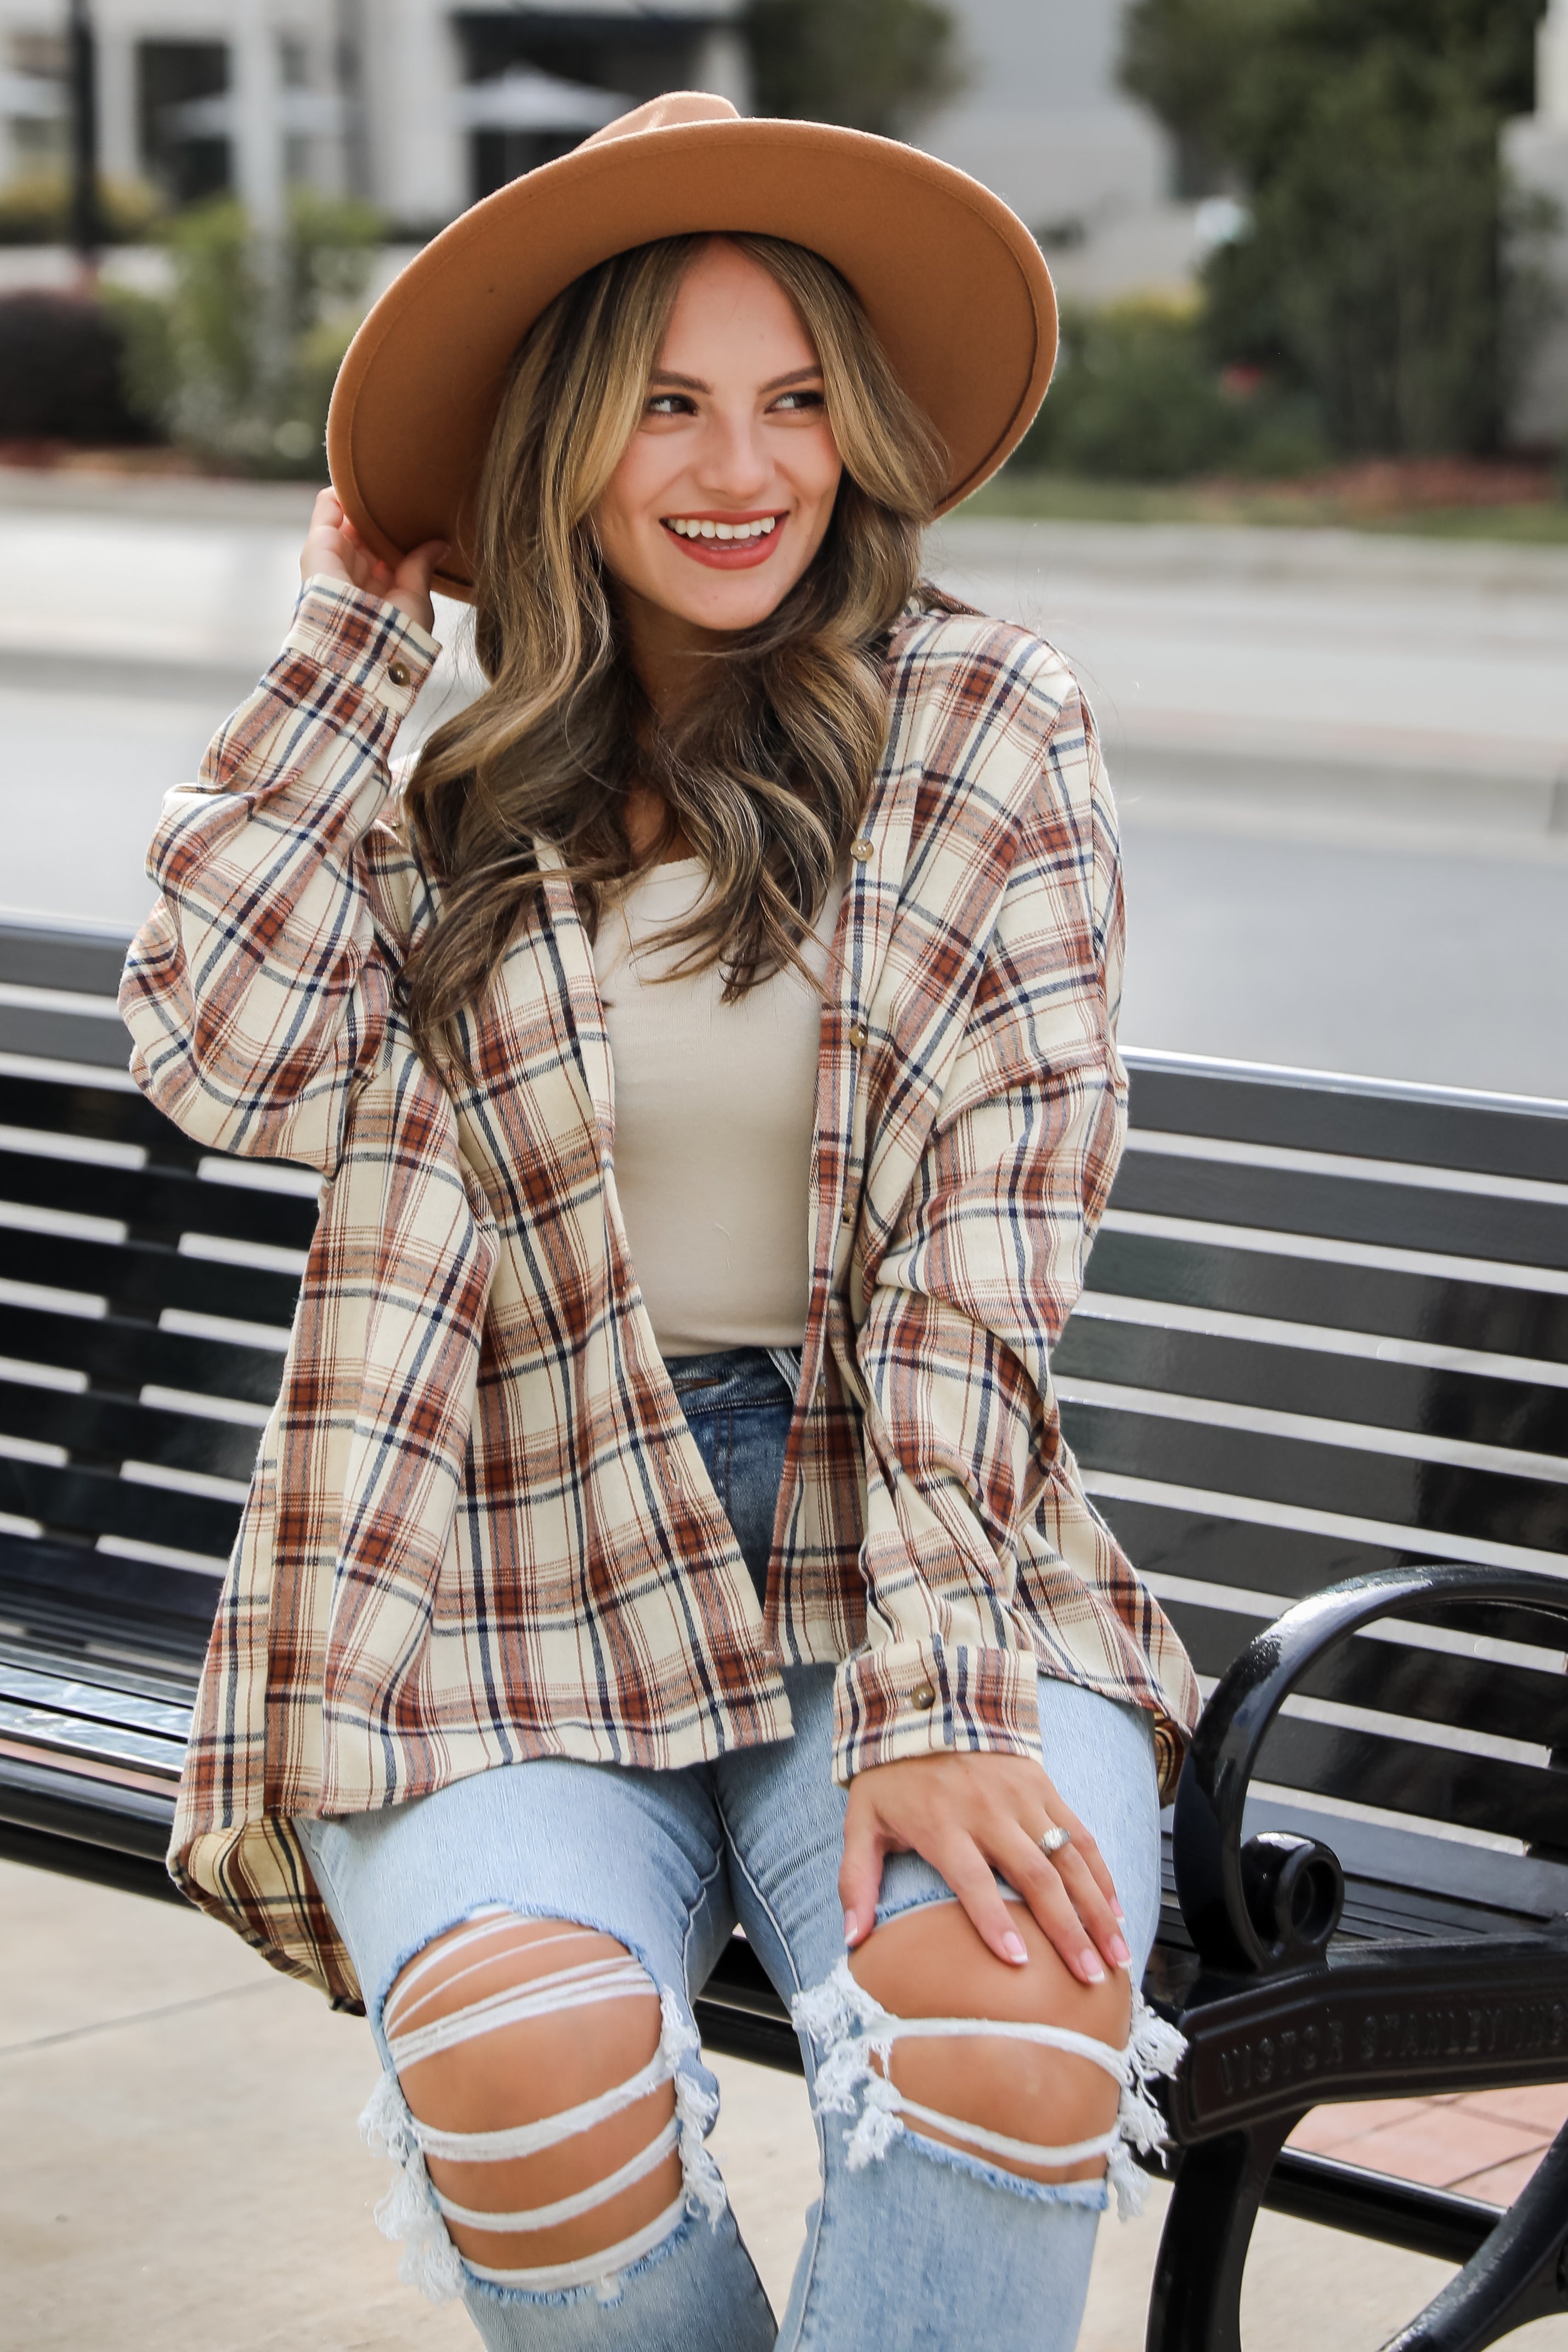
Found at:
(179, 156)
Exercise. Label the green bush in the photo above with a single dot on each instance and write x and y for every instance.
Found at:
(875, 65)
(1363, 136)
(149, 376)
(35, 210)
(62, 372)
(253, 343)
(1138, 396)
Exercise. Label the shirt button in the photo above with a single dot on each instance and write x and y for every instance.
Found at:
(822, 1392)
(849, 1216)
(858, 1032)
(924, 1697)
(399, 674)
(860, 851)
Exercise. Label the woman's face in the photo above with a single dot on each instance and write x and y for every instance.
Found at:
(726, 488)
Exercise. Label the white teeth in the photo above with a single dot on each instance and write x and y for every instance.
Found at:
(688, 527)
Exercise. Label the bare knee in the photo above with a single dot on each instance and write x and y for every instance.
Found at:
(932, 1964)
(544, 2036)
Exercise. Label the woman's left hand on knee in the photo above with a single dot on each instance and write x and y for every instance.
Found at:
(971, 1817)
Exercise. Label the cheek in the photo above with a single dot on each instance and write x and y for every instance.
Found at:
(821, 467)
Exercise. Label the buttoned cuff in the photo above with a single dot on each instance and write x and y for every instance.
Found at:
(928, 1698)
(363, 640)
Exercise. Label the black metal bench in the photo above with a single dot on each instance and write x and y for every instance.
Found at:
(1319, 1386)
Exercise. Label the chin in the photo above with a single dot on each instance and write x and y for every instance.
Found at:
(728, 612)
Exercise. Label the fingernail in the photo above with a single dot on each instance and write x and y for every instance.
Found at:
(1090, 1964)
(1121, 1914)
(852, 1927)
(1015, 1949)
(1119, 1952)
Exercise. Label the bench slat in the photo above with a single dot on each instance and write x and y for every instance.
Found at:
(95, 1612)
(1505, 1701)
(1439, 1784)
(124, 1355)
(143, 1275)
(83, 963)
(1345, 1208)
(1287, 1563)
(1311, 1112)
(1491, 1318)
(59, 1036)
(104, 1113)
(95, 1503)
(1474, 1505)
(1474, 1407)
(116, 1430)
(157, 1202)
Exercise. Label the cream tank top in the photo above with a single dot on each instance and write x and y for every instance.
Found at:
(715, 1109)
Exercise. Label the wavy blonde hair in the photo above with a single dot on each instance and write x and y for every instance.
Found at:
(766, 768)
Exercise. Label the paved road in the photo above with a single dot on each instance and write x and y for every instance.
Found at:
(1342, 763)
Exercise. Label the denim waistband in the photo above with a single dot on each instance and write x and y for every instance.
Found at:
(729, 1379)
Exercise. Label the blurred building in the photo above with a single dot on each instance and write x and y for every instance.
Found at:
(1535, 150)
(1043, 121)
(423, 105)
(420, 105)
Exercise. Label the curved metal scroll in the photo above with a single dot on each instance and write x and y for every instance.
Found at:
(1230, 1895)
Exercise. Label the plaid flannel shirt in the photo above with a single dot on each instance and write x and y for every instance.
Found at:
(478, 1528)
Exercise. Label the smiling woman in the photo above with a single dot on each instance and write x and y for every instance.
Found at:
(708, 1048)
(684, 388)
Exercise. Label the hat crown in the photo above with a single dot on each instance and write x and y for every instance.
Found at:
(672, 111)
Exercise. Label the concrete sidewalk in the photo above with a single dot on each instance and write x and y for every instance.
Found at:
(180, 2167)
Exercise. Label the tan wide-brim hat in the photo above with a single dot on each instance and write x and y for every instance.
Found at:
(951, 281)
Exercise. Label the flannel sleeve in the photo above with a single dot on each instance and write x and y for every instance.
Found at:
(983, 1261)
(258, 989)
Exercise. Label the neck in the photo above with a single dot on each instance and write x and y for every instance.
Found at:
(666, 652)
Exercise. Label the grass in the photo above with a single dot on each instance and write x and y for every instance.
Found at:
(1068, 498)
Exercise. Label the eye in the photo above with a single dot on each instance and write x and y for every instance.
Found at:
(671, 403)
(798, 404)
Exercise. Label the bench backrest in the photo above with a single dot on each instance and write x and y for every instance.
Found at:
(1325, 1331)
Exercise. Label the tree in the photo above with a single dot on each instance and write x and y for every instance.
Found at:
(873, 65)
(1363, 136)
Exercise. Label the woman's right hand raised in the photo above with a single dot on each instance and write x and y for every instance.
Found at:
(333, 550)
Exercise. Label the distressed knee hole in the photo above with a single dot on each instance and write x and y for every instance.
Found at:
(1025, 2070)
(931, 1963)
(538, 2063)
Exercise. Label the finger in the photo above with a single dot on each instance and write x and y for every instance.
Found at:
(1040, 1882)
(1089, 1854)
(972, 1880)
(1084, 1892)
(420, 563)
(860, 1873)
(1064, 1877)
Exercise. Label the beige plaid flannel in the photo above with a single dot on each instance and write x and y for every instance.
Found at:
(478, 1528)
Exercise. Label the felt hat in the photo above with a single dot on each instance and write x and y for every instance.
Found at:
(953, 284)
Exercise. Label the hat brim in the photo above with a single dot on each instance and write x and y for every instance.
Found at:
(954, 286)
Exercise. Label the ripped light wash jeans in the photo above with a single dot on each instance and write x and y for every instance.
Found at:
(911, 2243)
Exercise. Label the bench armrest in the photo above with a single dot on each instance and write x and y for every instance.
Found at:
(1274, 1902)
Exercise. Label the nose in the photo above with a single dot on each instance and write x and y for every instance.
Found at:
(733, 466)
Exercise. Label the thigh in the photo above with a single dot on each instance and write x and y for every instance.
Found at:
(915, 2242)
(637, 1856)
(541, 2151)
(783, 1817)
(1101, 1755)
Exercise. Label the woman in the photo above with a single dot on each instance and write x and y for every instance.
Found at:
(708, 1046)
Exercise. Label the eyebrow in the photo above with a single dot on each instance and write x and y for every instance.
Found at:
(695, 383)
